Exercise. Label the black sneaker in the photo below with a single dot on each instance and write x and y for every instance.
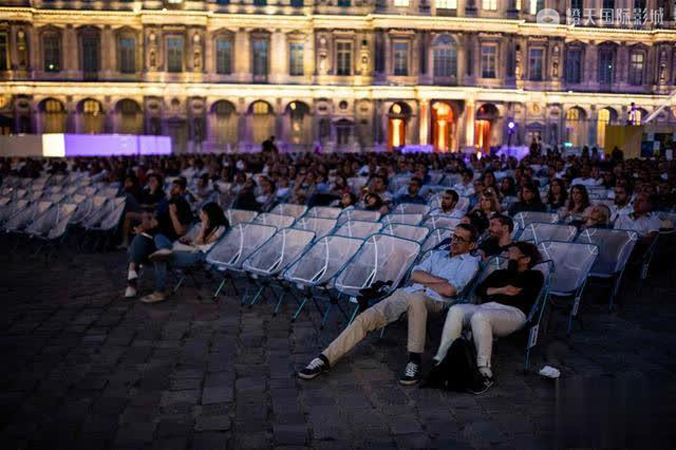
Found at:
(411, 374)
(317, 366)
(481, 384)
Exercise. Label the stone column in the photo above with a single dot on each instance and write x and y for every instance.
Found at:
(622, 66)
(388, 62)
(591, 65)
(309, 57)
(243, 55)
(209, 55)
(278, 57)
(70, 53)
(424, 121)
(469, 122)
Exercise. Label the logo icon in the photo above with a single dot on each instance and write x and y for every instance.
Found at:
(547, 19)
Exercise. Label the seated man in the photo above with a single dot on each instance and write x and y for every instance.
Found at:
(449, 200)
(642, 220)
(507, 296)
(500, 239)
(413, 195)
(439, 277)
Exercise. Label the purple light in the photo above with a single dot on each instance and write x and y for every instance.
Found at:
(511, 125)
(116, 144)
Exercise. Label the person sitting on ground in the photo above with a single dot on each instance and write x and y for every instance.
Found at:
(578, 205)
(507, 296)
(529, 201)
(436, 279)
(598, 217)
(158, 231)
(413, 195)
(499, 238)
(449, 200)
(187, 252)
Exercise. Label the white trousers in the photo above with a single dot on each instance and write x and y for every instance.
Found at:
(485, 321)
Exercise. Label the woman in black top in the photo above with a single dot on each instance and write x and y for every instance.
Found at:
(557, 195)
(529, 201)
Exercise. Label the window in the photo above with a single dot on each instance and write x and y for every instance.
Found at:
(92, 118)
(447, 4)
(489, 5)
(445, 58)
(260, 2)
(127, 54)
(296, 58)
(535, 61)
(488, 61)
(574, 66)
(636, 68)
(401, 3)
(606, 63)
(343, 58)
(175, 54)
(224, 56)
(51, 44)
(4, 57)
(343, 131)
(344, 3)
(54, 117)
(400, 50)
(260, 57)
(90, 53)
(536, 5)
(297, 3)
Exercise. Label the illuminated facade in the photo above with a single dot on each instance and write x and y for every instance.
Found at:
(349, 74)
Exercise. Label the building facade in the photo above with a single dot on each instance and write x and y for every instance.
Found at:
(344, 74)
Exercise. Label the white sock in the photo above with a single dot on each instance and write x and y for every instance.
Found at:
(486, 371)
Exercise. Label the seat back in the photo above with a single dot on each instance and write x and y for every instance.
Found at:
(572, 263)
(274, 220)
(523, 219)
(358, 214)
(358, 229)
(320, 226)
(238, 243)
(288, 209)
(436, 237)
(279, 251)
(615, 247)
(407, 219)
(410, 232)
(539, 232)
(412, 208)
(381, 258)
(322, 261)
(237, 216)
(323, 212)
(434, 222)
(64, 215)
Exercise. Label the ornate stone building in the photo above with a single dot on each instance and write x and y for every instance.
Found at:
(349, 74)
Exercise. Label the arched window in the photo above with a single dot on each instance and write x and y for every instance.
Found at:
(92, 116)
(54, 116)
(445, 57)
(263, 121)
(576, 130)
(224, 123)
(130, 118)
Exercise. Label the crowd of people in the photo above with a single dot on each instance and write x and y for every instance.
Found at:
(589, 190)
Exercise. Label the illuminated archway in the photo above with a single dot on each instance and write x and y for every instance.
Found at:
(443, 127)
(397, 120)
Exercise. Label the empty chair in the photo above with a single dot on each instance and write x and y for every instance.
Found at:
(435, 238)
(101, 208)
(434, 222)
(381, 258)
(540, 232)
(288, 209)
(412, 208)
(112, 219)
(34, 196)
(22, 219)
(572, 263)
(109, 192)
(64, 216)
(237, 216)
(323, 212)
(274, 220)
(358, 229)
(615, 247)
(320, 226)
(358, 214)
(19, 194)
(407, 219)
(12, 208)
(53, 223)
(523, 219)
(56, 197)
(410, 232)
(4, 201)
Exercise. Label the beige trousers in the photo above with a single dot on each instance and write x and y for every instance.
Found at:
(417, 305)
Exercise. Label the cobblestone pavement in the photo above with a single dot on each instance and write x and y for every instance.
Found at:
(86, 369)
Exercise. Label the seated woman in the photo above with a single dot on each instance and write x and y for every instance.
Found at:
(373, 202)
(557, 195)
(187, 252)
(578, 205)
(598, 217)
(529, 200)
(488, 204)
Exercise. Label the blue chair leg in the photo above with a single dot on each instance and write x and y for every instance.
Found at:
(279, 304)
(354, 314)
(300, 309)
(218, 290)
(257, 296)
(326, 316)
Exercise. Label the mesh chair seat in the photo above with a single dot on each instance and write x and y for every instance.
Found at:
(274, 220)
(237, 244)
(320, 226)
(523, 219)
(615, 247)
(12, 208)
(64, 216)
(288, 209)
(380, 258)
(323, 212)
(411, 232)
(109, 192)
(278, 252)
(27, 216)
(358, 229)
(434, 222)
(237, 216)
(321, 262)
(358, 214)
(540, 232)
(436, 237)
(412, 208)
(112, 219)
(572, 263)
(407, 219)
(99, 208)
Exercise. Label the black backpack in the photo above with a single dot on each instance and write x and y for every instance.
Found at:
(458, 370)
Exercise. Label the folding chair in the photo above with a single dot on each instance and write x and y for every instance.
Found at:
(274, 220)
(523, 219)
(275, 255)
(323, 212)
(358, 214)
(320, 226)
(228, 255)
(539, 232)
(412, 208)
(441, 221)
(572, 264)
(12, 208)
(288, 209)
(615, 247)
(237, 216)
(50, 229)
(313, 272)
(435, 238)
(407, 219)
(25, 217)
(358, 229)
(410, 232)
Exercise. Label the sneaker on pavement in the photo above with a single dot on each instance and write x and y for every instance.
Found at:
(155, 297)
(162, 254)
(411, 374)
(481, 384)
(130, 292)
(317, 366)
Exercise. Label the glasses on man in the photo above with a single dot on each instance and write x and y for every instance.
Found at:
(457, 238)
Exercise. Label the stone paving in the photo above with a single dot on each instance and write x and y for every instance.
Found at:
(86, 369)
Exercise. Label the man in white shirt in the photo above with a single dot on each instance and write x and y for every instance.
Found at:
(641, 220)
(621, 203)
(465, 188)
(586, 179)
(436, 280)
